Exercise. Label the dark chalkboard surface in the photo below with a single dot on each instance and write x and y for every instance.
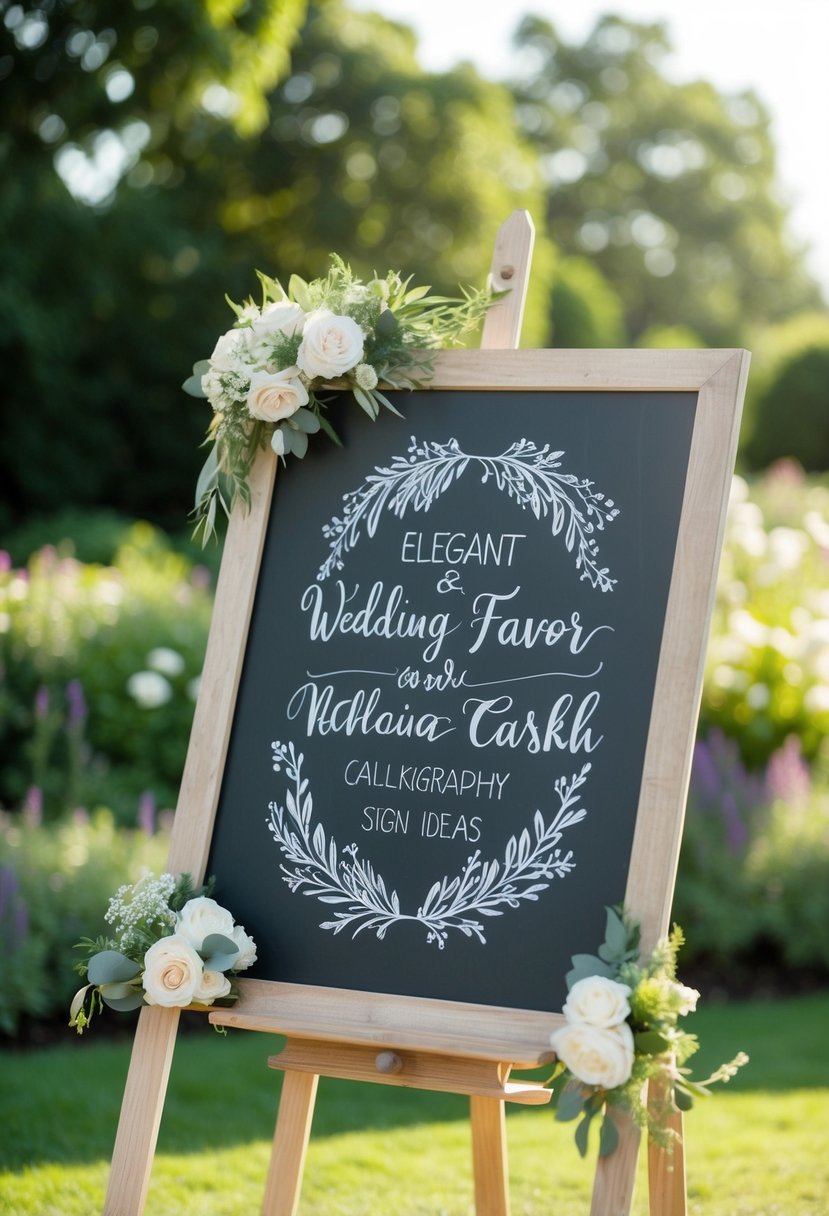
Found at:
(437, 749)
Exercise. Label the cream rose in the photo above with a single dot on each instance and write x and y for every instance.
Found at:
(214, 984)
(275, 395)
(597, 1001)
(595, 1055)
(282, 318)
(172, 972)
(247, 949)
(330, 346)
(230, 351)
(200, 917)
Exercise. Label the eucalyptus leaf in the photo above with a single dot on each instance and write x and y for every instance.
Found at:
(585, 965)
(570, 1104)
(383, 399)
(609, 1137)
(111, 967)
(299, 443)
(192, 386)
(201, 368)
(115, 992)
(221, 962)
(365, 402)
(218, 943)
(616, 935)
(582, 1134)
(305, 420)
(125, 1003)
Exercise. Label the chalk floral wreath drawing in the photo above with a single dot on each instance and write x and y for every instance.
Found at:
(316, 866)
(529, 474)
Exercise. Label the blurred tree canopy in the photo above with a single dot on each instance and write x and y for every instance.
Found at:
(154, 152)
(669, 189)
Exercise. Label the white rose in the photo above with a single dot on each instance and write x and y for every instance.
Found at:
(282, 318)
(172, 972)
(595, 1055)
(275, 395)
(597, 1001)
(330, 346)
(247, 949)
(230, 350)
(214, 984)
(200, 917)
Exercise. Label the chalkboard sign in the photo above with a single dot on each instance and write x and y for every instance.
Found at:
(467, 693)
(435, 761)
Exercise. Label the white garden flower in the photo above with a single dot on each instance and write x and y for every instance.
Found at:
(231, 352)
(686, 999)
(200, 917)
(365, 375)
(331, 345)
(169, 662)
(596, 1055)
(597, 1001)
(149, 689)
(276, 395)
(172, 972)
(214, 984)
(247, 949)
(281, 318)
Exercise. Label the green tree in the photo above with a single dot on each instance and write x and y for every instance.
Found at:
(670, 189)
(586, 310)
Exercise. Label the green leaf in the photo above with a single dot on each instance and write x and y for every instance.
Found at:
(683, 1099)
(209, 474)
(299, 443)
(585, 965)
(125, 1003)
(298, 290)
(111, 967)
(328, 429)
(218, 943)
(383, 399)
(192, 386)
(651, 1043)
(609, 1137)
(365, 402)
(582, 1134)
(616, 935)
(305, 420)
(570, 1104)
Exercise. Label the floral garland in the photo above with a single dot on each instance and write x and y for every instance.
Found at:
(622, 1030)
(264, 377)
(317, 867)
(173, 946)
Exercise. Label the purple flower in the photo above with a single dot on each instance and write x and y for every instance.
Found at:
(8, 888)
(33, 806)
(5, 562)
(788, 778)
(76, 702)
(735, 830)
(42, 702)
(146, 812)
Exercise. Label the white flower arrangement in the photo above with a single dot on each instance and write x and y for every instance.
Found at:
(622, 1031)
(173, 945)
(265, 375)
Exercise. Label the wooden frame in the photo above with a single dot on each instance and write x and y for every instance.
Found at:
(454, 1032)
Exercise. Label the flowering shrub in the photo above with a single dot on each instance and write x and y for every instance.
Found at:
(54, 884)
(98, 677)
(767, 670)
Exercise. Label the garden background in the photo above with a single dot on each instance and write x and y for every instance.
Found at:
(153, 155)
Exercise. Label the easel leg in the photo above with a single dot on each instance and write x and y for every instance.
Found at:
(616, 1174)
(143, 1102)
(290, 1144)
(489, 1156)
(666, 1175)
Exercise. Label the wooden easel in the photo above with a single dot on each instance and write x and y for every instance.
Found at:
(414, 1041)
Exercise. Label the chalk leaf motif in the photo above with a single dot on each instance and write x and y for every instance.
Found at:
(317, 867)
(532, 476)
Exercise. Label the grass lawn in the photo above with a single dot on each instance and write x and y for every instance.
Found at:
(757, 1148)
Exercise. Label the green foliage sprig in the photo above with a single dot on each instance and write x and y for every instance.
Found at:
(266, 376)
(622, 1031)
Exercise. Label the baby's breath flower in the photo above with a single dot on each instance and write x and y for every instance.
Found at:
(140, 910)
